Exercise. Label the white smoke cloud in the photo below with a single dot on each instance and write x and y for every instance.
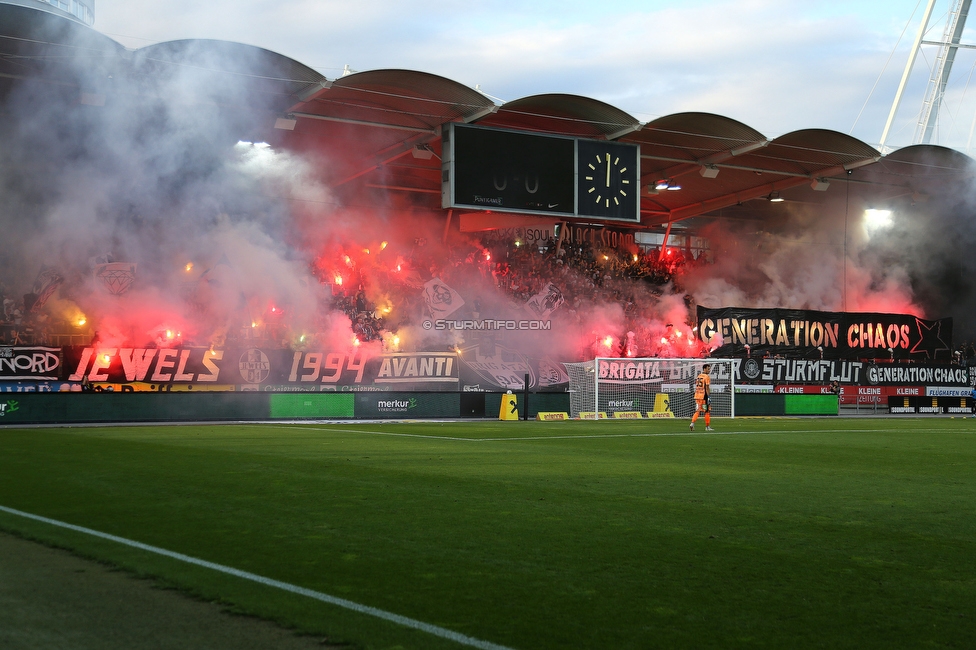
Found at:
(156, 177)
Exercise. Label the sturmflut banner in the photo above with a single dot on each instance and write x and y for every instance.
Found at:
(856, 373)
(736, 331)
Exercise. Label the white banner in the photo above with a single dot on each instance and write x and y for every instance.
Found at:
(442, 300)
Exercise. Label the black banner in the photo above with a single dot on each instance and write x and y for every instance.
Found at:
(269, 370)
(32, 363)
(735, 331)
(281, 370)
(848, 373)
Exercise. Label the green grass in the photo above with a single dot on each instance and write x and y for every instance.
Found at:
(831, 533)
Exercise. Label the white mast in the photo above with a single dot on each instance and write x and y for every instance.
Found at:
(935, 91)
(928, 119)
(908, 71)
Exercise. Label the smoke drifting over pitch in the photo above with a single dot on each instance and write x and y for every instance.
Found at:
(165, 166)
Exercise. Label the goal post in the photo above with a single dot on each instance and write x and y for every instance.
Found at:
(606, 385)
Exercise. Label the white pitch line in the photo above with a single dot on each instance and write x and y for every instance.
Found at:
(691, 434)
(253, 577)
(379, 433)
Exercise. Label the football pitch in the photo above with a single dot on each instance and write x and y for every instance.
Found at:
(841, 533)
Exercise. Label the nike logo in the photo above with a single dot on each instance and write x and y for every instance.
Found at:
(553, 205)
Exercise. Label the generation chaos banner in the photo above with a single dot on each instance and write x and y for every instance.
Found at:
(736, 331)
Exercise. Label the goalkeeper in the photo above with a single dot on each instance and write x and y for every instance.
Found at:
(703, 390)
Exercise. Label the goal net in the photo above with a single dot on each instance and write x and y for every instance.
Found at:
(628, 385)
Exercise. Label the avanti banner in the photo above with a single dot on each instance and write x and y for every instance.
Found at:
(272, 370)
(283, 370)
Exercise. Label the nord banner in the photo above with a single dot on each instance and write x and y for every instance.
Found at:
(32, 363)
(735, 331)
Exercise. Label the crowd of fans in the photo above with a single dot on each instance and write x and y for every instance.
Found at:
(15, 328)
(367, 323)
(583, 272)
(485, 272)
(584, 276)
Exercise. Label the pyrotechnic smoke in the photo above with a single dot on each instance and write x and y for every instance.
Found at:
(229, 234)
(829, 259)
(156, 176)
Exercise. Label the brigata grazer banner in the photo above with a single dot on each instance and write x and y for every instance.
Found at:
(737, 331)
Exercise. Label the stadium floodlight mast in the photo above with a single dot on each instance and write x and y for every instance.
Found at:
(928, 118)
(610, 385)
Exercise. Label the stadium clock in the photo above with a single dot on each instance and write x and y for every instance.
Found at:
(532, 173)
(608, 180)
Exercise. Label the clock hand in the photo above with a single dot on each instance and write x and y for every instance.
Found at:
(608, 170)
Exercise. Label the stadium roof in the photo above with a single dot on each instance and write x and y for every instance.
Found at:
(380, 130)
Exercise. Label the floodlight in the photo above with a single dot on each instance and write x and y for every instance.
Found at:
(285, 123)
(875, 218)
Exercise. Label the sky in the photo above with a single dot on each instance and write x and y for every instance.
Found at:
(776, 65)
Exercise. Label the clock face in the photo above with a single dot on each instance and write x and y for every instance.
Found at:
(607, 180)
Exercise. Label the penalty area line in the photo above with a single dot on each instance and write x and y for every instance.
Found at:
(381, 433)
(435, 630)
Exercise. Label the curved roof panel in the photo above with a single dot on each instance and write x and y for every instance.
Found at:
(398, 98)
(252, 67)
(368, 122)
(930, 159)
(922, 168)
(381, 129)
(677, 145)
(566, 115)
(696, 136)
(810, 151)
(37, 43)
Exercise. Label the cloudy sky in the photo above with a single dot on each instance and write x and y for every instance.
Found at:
(777, 65)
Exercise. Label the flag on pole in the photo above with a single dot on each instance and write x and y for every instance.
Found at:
(545, 302)
(441, 300)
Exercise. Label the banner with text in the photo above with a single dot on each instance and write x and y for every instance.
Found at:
(856, 373)
(269, 370)
(31, 363)
(736, 331)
